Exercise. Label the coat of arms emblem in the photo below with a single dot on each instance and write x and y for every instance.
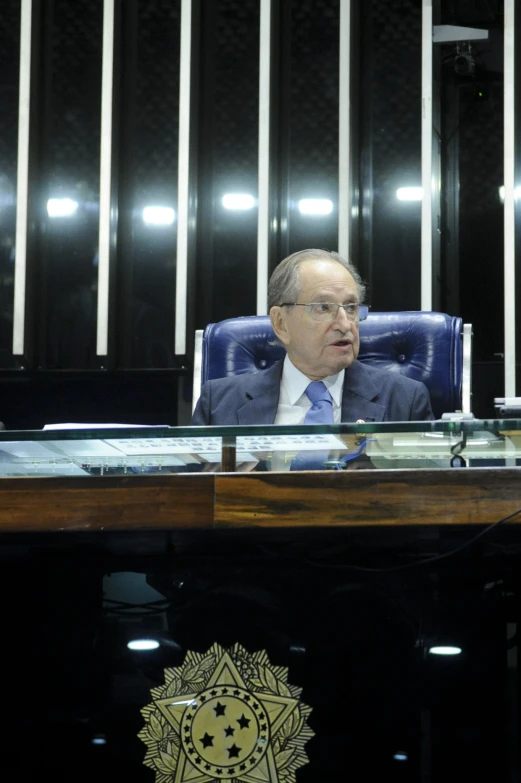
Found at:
(226, 715)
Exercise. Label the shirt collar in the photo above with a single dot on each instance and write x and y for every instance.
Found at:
(296, 383)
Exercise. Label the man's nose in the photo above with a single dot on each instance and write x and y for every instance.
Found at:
(342, 320)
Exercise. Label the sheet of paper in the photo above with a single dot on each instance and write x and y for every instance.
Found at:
(86, 448)
(90, 426)
(41, 468)
(27, 449)
(241, 456)
(141, 446)
(290, 442)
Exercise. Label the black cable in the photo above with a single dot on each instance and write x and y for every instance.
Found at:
(156, 607)
(120, 613)
(426, 560)
(126, 609)
(128, 605)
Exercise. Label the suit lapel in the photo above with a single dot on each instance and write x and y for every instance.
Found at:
(261, 396)
(358, 395)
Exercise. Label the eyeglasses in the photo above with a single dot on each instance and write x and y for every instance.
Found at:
(328, 311)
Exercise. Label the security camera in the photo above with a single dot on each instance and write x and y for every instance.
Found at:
(464, 62)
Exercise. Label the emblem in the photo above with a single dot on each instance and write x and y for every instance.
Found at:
(226, 715)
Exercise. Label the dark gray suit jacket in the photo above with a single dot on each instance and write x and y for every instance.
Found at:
(369, 394)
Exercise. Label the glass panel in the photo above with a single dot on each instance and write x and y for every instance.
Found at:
(71, 79)
(148, 182)
(65, 450)
(229, 117)
(309, 124)
(388, 50)
(10, 59)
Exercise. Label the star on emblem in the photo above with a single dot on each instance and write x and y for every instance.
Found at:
(207, 740)
(243, 722)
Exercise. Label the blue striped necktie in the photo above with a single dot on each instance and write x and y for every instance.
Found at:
(321, 412)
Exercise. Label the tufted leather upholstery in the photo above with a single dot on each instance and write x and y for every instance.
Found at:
(426, 346)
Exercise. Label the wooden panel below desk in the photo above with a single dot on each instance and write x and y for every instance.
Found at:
(241, 501)
(107, 503)
(375, 497)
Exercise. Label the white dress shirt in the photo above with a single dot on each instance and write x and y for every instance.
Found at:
(293, 401)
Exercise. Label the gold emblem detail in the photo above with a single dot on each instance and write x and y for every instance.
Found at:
(226, 715)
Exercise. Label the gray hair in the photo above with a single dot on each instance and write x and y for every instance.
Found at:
(284, 285)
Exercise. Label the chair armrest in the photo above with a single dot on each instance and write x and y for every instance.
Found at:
(198, 359)
(466, 381)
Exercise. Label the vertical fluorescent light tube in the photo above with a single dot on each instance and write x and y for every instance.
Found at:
(509, 205)
(426, 156)
(263, 226)
(22, 180)
(107, 81)
(183, 178)
(344, 138)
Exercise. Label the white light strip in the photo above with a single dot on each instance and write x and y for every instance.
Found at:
(107, 80)
(183, 178)
(509, 207)
(22, 179)
(344, 137)
(426, 158)
(263, 226)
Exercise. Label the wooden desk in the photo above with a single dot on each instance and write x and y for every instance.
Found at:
(326, 499)
(248, 558)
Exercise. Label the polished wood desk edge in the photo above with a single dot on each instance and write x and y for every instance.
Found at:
(242, 501)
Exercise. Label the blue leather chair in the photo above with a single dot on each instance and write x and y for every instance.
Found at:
(434, 348)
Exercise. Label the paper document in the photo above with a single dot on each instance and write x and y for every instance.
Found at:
(141, 446)
(88, 426)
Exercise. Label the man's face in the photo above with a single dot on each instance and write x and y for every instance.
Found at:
(319, 348)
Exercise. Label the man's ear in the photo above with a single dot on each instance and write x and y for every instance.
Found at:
(278, 322)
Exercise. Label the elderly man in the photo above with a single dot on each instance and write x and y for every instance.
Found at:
(315, 304)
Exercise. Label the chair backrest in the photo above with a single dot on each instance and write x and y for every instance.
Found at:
(434, 348)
